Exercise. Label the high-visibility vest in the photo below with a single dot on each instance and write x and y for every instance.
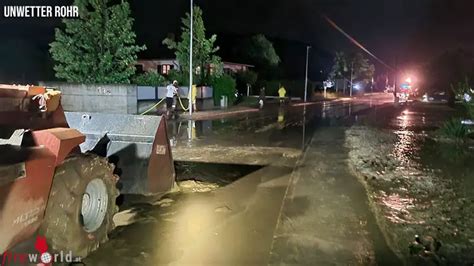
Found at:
(193, 94)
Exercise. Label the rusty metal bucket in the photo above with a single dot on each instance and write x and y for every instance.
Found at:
(138, 145)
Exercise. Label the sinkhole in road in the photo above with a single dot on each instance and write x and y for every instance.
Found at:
(164, 230)
(194, 177)
(211, 175)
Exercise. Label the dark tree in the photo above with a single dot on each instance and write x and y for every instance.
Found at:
(204, 48)
(449, 68)
(97, 47)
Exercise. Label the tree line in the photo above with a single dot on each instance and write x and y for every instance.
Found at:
(353, 68)
(100, 47)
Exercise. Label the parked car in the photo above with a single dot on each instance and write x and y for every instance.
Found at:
(436, 97)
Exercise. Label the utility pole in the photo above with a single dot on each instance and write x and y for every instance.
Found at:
(395, 77)
(352, 77)
(190, 92)
(372, 86)
(306, 76)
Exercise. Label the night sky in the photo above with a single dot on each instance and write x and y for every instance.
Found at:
(401, 32)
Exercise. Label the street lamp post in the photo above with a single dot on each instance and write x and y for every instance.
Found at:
(352, 77)
(190, 95)
(306, 75)
(372, 86)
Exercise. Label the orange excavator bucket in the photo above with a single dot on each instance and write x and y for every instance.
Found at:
(138, 145)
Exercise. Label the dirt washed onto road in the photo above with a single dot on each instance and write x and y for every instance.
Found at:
(325, 218)
(415, 190)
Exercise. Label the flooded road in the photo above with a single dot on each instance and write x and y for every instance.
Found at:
(325, 218)
(274, 126)
(308, 210)
(419, 188)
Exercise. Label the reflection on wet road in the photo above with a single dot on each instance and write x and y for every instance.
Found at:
(274, 126)
(417, 184)
(243, 220)
(409, 129)
(325, 218)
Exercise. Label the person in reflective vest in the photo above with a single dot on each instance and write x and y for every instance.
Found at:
(282, 94)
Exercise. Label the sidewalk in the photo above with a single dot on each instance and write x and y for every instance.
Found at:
(325, 219)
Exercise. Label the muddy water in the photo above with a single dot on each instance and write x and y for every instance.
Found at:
(230, 219)
(274, 126)
(416, 186)
(454, 203)
(325, 219)
(152, 232)
(452, 162)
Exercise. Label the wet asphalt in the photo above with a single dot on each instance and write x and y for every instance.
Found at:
(310, 212)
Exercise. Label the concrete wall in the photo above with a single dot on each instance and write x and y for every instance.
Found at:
(121, 99)
(118, 99)
(205, 104)
(148, 96)
(144, 105)
(157, 93)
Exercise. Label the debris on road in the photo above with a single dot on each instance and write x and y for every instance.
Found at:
(412, 198)
(246, 155)
(192, 186)
(165, 202)
(223, 209)
(125, 217)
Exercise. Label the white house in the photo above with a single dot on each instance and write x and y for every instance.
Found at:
(163, 66)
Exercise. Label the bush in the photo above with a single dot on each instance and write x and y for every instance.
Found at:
(179, 76)
(294, 88)
(151, 78)
(271, 87)
(469, 107)
(464, 92)
(245, 78)
(224, 85)
(455, 129)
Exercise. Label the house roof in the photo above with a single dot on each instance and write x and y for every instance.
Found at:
(238, 64)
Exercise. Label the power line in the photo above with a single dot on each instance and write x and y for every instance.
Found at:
(354, 41)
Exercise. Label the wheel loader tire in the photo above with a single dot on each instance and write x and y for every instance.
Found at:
(79, 216)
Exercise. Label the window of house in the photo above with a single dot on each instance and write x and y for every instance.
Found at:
(165, 69)
(139, 69)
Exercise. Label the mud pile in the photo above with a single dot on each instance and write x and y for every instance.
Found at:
(412, 199)
(195, 186)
